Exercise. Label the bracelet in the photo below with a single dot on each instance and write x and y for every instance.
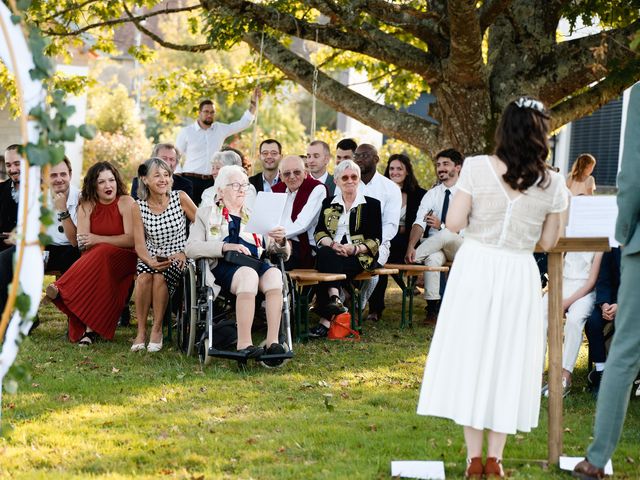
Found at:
(63, 215)
(355, 250)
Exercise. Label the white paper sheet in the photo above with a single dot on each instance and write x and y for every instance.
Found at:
(593, 216)
(418, 469)
(267, 212)
(569, 463)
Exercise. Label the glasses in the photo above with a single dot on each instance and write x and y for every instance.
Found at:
(291, 173)
(353, 177)
(272, 153)
(238, 186)
(362, 155)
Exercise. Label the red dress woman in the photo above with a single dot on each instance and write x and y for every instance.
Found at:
(95, 289)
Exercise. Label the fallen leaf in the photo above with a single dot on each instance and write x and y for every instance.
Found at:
(630, 460)
(115, 370)
(282, 450)
(373, 427)
(567, 430)
(35, 385)
(203, 389)
(251, 441)
(163, 399)
(64, 397)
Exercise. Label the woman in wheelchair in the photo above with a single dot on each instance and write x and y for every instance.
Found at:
(348, 236)
(160, 233)
(219, 229)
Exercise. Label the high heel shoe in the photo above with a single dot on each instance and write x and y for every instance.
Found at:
(493, 468)
(154, 347)
(474, 468)
(137, 347)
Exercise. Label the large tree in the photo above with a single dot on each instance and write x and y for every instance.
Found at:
(473, 56)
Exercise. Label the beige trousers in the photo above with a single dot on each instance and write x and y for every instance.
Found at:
(434, 252)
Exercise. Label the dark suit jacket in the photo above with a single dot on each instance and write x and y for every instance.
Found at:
(331, 185)
(256, 181)
(8, 210)
(413, 204)
(179, 183)
(608, 278)
(627, 231)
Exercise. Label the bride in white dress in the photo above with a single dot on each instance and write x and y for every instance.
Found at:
(485, 361)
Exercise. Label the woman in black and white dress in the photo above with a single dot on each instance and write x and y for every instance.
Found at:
(160, 232)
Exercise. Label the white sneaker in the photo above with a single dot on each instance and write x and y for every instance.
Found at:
(154, 347)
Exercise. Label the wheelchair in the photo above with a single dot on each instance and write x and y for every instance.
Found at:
(206, 325)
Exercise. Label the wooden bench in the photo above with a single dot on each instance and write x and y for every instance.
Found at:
(406, 278)
(302, 279)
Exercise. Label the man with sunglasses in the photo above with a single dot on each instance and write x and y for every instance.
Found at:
(304, 199)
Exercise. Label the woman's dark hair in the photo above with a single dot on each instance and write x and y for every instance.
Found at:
(410, 183)
(90, 182)
(522, 143)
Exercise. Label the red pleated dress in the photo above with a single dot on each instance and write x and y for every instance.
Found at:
(94, 290)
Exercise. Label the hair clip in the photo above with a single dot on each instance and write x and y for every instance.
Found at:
(142, 170)
(525, 102)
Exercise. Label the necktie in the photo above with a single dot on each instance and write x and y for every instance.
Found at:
(445, 205)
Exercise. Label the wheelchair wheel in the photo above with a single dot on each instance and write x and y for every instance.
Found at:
(187, 315)
(203, 352)
(274, 363)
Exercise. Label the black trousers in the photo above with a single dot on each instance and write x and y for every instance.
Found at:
(396, 255)
(61, 257)
(199, 186)
(594, 328)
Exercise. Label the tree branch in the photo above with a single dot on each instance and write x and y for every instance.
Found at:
(423, 25)
(117, 21)
(574, 62)
(67, 10)
(595, 97)
(466, 66)
(404, 126)
(490, 10)
(201, 47)
(368, 40)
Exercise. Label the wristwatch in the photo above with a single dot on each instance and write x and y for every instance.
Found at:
(63, 215)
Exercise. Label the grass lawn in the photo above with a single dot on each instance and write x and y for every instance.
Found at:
(338, 410)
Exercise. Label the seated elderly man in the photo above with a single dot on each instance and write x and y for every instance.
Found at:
(219, 160)
(304, 199)
(220, 228)
(348, 238)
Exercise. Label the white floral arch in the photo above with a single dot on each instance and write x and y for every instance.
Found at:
(29, 269)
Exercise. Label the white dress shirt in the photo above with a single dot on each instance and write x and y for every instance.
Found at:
(390, 197)
(307, 219)
(323, 178)
(343, 221)
(433, 200)
(198, 145)
(58, 237)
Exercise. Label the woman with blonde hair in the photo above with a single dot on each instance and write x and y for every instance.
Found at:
(580, 181)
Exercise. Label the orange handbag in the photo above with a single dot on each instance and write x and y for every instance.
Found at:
(340, 328)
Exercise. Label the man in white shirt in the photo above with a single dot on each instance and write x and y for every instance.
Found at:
(270, 156)
(375, 185)
(200, 140)
(439, 245)
(300, 217)
(318, 157)
(62, 251)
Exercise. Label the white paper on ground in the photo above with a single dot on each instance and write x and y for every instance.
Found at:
(569, 463)
(593, 216)
(267, 212)
(418, 469)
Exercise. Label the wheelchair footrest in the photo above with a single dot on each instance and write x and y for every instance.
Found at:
(277, 356)
(229, 354)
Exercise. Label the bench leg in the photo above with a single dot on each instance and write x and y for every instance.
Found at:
(356, 310)
(406, 292)
(302, 313)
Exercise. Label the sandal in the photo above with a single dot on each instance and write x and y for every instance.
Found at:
(474, 468)
(88, 338)
(493, 468)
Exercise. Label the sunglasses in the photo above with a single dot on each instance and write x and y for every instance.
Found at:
(353, 177)
(291, 173)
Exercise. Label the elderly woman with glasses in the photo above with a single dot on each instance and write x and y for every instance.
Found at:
(220, 228)
(348, 237)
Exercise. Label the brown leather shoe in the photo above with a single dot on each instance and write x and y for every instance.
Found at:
(474, 468)
(586, 471)
(493, 468)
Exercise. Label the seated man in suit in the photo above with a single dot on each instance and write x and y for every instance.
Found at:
(318, 157)
(439, 244)
(170, 154)
(9, 192)
(63, 250)
(304, 199)
(603, 314)
(270, 155)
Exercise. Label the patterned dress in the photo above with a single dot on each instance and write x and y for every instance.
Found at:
(165, 234)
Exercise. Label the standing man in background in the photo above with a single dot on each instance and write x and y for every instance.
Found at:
(200, 140)
(623, 362)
